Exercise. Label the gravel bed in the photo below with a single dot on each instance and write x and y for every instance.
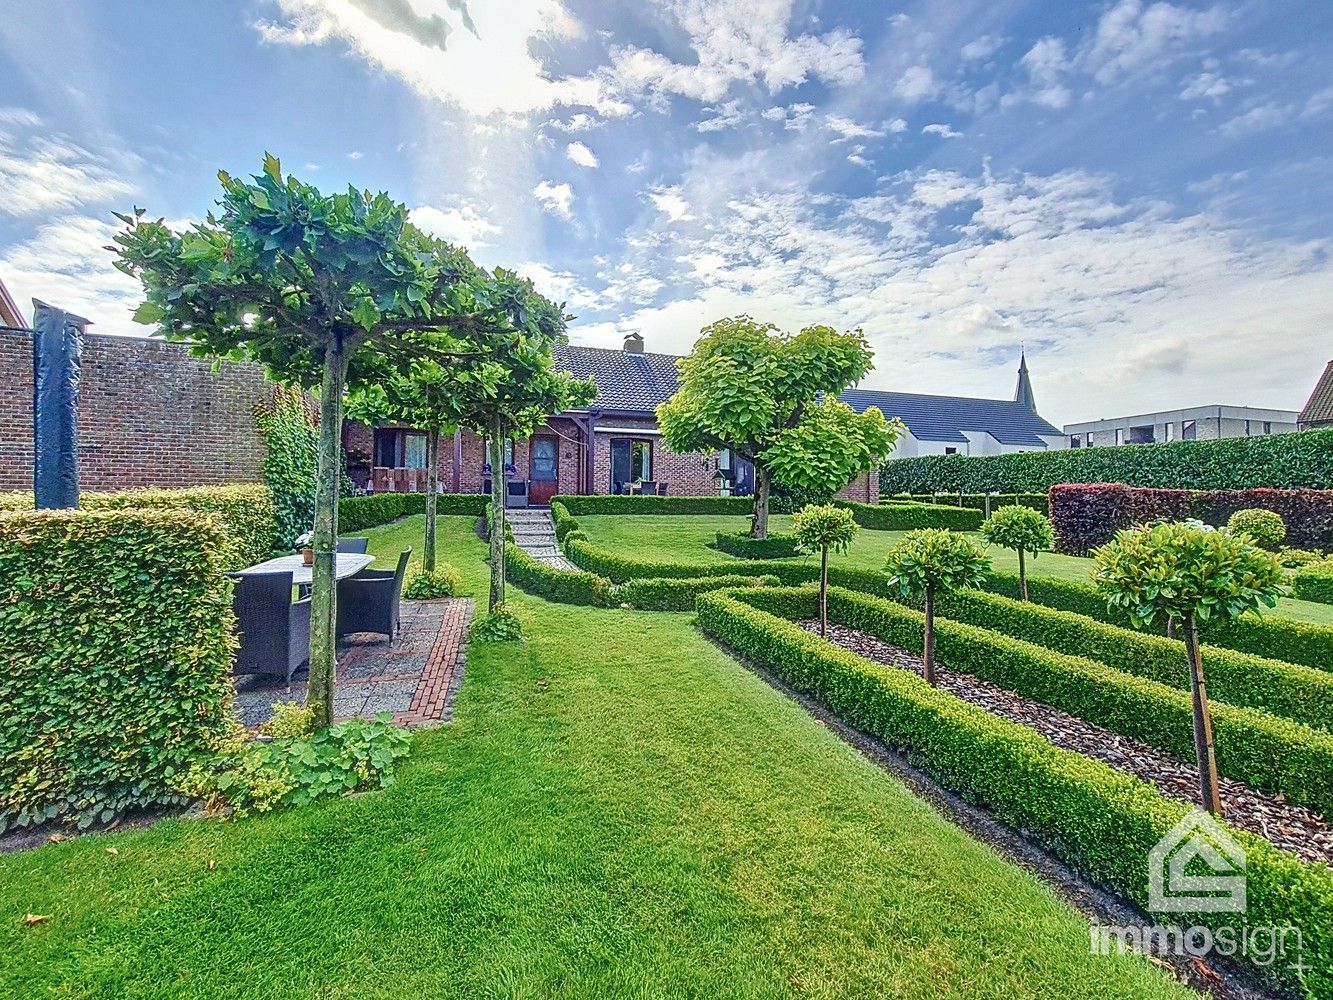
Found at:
(1293, 828)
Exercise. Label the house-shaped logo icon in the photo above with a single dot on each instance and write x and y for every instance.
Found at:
(1200, 841)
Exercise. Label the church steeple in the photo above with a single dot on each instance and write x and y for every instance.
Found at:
(1023, 391)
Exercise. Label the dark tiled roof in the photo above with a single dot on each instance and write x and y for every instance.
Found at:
(944, 418)
(1318, 409)
(625, 381)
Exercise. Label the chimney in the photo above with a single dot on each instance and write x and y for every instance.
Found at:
(633, 343)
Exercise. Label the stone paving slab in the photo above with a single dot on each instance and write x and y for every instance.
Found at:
(415, 678)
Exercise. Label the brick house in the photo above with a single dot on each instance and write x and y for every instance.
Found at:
(615, 441)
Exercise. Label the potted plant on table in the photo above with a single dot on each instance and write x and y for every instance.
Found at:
(305, 545)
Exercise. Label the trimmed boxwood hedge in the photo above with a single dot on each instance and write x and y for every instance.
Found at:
(1290, 690)
(776, 546)
(1283, 461)
(581, 506)
(563, 520)
(1100, 821)
(1254, 747)
(681, 595)
(115, 628)
(1314, 583)
(360, 513)
(895, 516)
(977, 501)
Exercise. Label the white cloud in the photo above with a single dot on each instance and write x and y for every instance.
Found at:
(1132, 36)
(1319, 103)
(355, 154)
(981, 48)
(794, 118)
(462, 225)
(1210, 86)
(724, 116)
(581, 155)
(849, 129)
(916, 84)
(857, 157)
(1046, 63)
(558, 199)
(1257, 119)
(580, 122)
(44, 174)
(735, 41)
(942, 129)
(671, 204)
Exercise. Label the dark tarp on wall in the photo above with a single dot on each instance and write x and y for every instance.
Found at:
(57, 353)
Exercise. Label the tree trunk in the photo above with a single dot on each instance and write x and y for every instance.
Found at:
(1171, 628)
(432, 474)
(1022, 577)
(823, 591)
(497, 445)
(928, 655)
(323, 587)
(1203, 721)
(760, 528)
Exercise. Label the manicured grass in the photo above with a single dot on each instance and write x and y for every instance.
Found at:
(684, 539)
(619, 810)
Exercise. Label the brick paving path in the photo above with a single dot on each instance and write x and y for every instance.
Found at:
(415, 678)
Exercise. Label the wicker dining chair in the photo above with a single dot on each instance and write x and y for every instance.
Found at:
(370, 600)
(274, 631)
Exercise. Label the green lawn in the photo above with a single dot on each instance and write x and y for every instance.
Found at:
(651, 820)
(684, 539)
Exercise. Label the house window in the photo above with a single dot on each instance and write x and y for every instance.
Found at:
(1119, 435)
(1088, 443)
(631, 461)
(1074, 441)
(1247, 428)
(951, 451)
(400, 449)
(1268, 427)
(1188, 430)
(735, 474)
(509, 452)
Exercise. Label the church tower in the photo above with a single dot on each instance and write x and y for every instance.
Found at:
(1023, 391)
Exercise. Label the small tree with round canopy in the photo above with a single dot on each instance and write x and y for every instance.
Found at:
(823, 528)
(326, 291)
(1023, 530)
(748, 388)
(1193, 574)
(932, 561)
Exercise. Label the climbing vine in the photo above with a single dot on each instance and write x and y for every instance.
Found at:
(289, 426)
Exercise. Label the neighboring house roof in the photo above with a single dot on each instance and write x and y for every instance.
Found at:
(625, 380)
(9, 310)
(944, 418)
(1319, 407)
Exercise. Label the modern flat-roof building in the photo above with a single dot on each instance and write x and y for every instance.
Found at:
(1195, 423)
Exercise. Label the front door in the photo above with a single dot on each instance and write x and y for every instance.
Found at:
(544, 469)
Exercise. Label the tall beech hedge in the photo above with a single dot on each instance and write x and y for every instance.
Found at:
(246, 511)
(115, 642)
(1087, 515)
(977, 501)
(1100, 821)
(1286, 461)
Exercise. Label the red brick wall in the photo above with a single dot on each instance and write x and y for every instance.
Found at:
(864, 488)
(149, 415)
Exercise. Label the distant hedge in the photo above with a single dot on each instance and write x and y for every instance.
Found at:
(246, 512)
(977, 501)
(581, 506)
(1289, 461)
(360, 513)
(115, 637)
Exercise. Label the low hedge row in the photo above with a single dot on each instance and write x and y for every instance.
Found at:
(1100, 821)
(1314, 583)
(563, 520)
(115, 628)
(681, 595)
(581, 506)
(776, 546)
(1294, 692)
(360, 513)
(1269, 636)
(977, 501)
(895, 516)
(1261, 750)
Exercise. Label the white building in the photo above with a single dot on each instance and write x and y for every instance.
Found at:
(1196, 423)
(961, 425)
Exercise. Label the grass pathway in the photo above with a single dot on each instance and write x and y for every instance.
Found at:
(651, 820)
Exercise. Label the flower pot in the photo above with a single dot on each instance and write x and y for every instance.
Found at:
(308, 556)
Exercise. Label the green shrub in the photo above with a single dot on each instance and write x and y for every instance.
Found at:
(895, 516)
(1291, 461)
(1314, 582)
(446, 581)
(680, 595)
(246, 776)
(290, 719)
(360, 513)
(563, 520)
(1261, 750)
(1264, 526)
(115, 628)
(1294, 558)
(562, 585)
(289, 426)
(246, 511)
(1295, 692)
(1103, 823)
(496, 626)
(587, 506)
(776, 546)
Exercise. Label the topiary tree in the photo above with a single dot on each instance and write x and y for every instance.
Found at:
(1021, 529)
(823, 528)
(753, 390)
(1265, 527)
(932, 561)
(1193, 574)
(327, 291)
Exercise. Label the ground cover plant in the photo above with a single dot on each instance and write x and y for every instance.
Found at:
(596, 822)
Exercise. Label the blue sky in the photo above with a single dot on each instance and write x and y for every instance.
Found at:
(1137, 192)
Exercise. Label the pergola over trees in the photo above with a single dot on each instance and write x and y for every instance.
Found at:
(324, 291)
(750, 388)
